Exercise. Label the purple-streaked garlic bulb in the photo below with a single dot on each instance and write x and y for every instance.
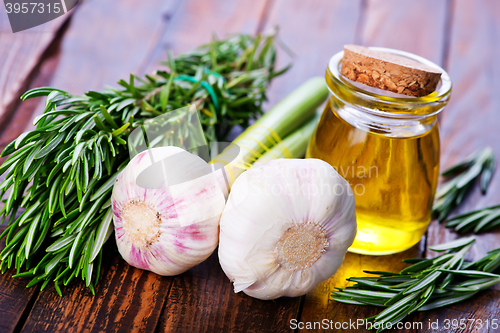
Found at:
(166, 209)
(286, 227)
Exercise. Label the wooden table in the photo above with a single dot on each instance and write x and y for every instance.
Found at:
(105, 40)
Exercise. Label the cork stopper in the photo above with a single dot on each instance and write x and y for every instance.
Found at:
(388, 71)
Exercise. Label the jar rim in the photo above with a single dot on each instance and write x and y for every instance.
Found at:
(440, 94)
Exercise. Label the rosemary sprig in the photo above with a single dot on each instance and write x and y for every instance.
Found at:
(462, 176)
(426, 284)
(63, 171)
(476, 221)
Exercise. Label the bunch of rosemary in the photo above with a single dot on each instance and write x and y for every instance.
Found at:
(63, 171)
(462, 176)
(425, 285)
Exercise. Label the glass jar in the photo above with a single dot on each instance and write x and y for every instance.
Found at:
(387, 147)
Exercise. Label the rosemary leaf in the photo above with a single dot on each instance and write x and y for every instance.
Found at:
(477, 221)
(462, 176)
(428, 283)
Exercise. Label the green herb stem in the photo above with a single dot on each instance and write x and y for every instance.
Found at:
(285, 117)
(294, 145)
(476, 221)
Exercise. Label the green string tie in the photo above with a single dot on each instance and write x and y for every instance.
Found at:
(205, 85)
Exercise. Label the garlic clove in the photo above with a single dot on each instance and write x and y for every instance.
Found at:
(166, 229)
(286, 227)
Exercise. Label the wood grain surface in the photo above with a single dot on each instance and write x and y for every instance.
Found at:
(313, 31)
(117, 43)
(471, 120)
(419, 27)
(106, 40)
(195, 23)
(20, 55)
(127, 299)
(14, 297)
(203, 300)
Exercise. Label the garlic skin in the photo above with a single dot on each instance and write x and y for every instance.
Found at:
(286, 227)
(166, 210)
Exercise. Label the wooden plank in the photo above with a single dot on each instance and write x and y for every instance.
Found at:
(376, 27)
(92, 57)
(42, 74)
(89, 57)
(413, 26)
(471, 119)
(196, 22)
(314, 31)
(127, 299)
(203, 300)
(14, 297)
(20, 55)
(119, 38)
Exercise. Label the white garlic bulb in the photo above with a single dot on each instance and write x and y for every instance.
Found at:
(166, 209)
(286, 227)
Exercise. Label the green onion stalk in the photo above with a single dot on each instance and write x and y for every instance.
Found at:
(284, 131)
(294, 145)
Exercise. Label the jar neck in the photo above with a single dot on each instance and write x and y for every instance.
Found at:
(376, 111)
(395, 126)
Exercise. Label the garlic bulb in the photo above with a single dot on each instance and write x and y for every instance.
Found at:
(166, 209)
(286, 227)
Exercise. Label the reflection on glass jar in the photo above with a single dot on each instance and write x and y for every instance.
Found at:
(387, 147)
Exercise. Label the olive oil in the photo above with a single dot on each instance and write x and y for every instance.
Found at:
(393, 179)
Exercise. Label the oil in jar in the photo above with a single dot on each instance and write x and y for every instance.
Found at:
(393, 179)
